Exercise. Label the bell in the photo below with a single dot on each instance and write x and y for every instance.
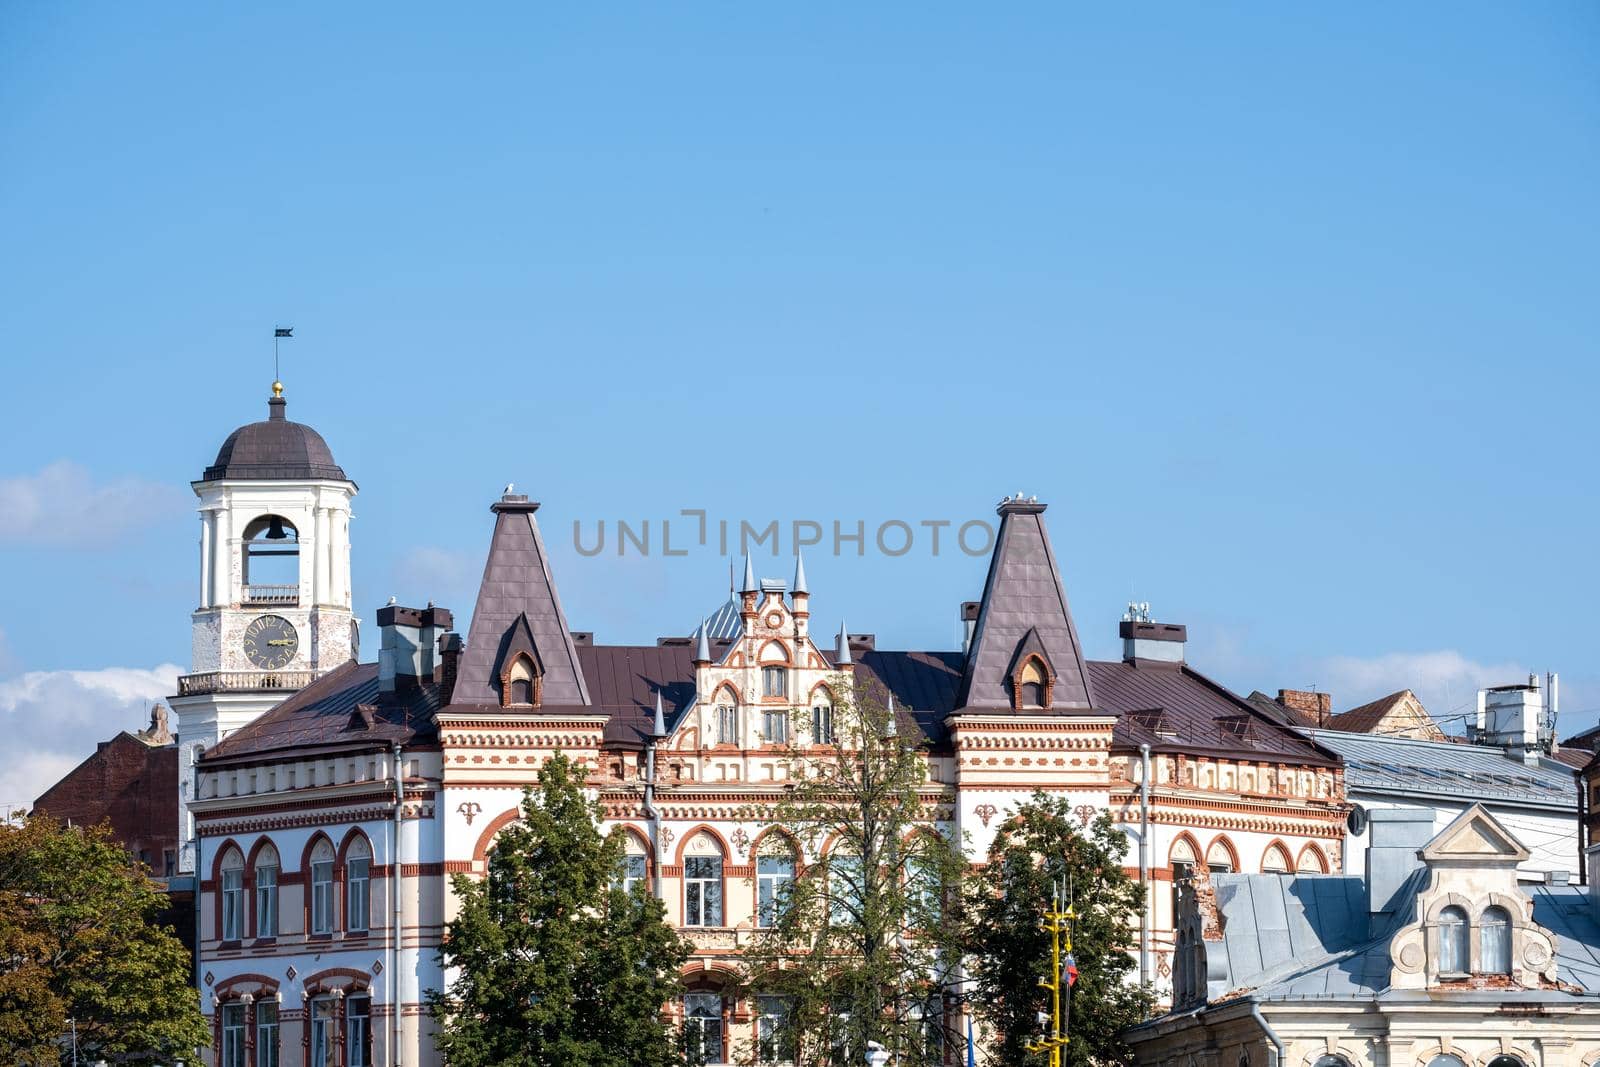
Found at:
(275, 530)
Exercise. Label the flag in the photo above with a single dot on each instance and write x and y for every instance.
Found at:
(1072, 970)
(283, 331)
(972, 1052)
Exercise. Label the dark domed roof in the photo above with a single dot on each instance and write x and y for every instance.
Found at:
(275, 449)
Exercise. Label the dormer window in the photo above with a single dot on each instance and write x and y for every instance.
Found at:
(1494, 941)
(519, 686)
(1032, 678)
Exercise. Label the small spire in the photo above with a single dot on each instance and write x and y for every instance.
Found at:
(660, 727)
(800, 574)
(842, 653)
(702, 645)
(889, 727)
(750, 583)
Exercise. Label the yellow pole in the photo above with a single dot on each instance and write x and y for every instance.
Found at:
(1058, 922)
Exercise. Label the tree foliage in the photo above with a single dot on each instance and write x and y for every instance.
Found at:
(864, 945)
(555, 964)
(1010, 951)
(79, 941)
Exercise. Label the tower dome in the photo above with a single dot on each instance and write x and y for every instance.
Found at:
(275, 449)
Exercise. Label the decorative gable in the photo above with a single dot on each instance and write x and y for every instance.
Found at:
(519, 666)
(1473, 923)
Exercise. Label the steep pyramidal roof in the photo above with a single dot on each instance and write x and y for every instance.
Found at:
(1023, 602)
(517, 601)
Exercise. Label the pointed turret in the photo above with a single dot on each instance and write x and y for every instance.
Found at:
(659, 730)
(1024, 642)
(518, 605)
(890, 727)
(841, 655)
(800, 588)
(702, 646)
(750, 584)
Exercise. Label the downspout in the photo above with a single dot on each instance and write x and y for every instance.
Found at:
(396, 921)
(194, 839)
(1144, 865)
(1272, 1035)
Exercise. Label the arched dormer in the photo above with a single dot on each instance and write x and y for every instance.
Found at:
(520, 668)
(1032, 677)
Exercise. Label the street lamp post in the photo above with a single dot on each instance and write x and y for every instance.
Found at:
(1059, 923)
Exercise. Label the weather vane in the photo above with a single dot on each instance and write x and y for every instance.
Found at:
(278, 334)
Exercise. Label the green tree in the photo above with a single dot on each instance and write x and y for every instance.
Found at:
(1009, 952)
(863, 945)
(556, 963)
(79, 942)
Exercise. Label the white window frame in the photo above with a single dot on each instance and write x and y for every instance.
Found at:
(323, 1019)
(235, 1021)
(771, 1013)
(774, 681)
(268, 1052)
(700, 891)
(771, 887)
(266, 879)
(357, 894)
(322, 896)
(822, 724)
(698, 1020)
(358, 1031)
(232, 889)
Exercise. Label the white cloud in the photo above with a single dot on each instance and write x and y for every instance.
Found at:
(52, 720)
(62, 505)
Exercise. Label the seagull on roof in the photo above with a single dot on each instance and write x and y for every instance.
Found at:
(391, 601)
(509, 486)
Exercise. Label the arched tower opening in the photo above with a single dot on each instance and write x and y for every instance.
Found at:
(271, 564)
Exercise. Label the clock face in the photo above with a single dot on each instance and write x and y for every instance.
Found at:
(270, 642)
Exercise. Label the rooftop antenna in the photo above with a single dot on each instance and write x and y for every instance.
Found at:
(278, 334)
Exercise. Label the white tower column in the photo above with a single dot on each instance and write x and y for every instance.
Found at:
(207, 523)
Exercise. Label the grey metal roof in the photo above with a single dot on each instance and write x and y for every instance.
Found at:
(1304, 937)
(274, 449)
(1445, 769)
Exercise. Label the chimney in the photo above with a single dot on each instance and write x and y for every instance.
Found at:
(1149, 642)
(1315, 708)
(408, 645)
(1395, 837)
(1512, 717)
(969, 624)
(450, 646)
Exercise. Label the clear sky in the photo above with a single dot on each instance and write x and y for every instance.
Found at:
(1289, 312)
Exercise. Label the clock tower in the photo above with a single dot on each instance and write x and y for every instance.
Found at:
(274, 608)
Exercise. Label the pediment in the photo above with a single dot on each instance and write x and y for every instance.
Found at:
(1478, 836)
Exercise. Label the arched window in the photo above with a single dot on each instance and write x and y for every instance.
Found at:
(821, 718)
(1312, 861)
(702, 881)
(1033, 685)
(1494, 941)
(1506, 1061)
(1331, 1061)
(521, 683)
(322, 888)
(265, 876)
(635, 864)
(357, 885)
(774, 879)
(271, 562)
(1183, 860)
(844, 888)
(232, 890)
(1453, 941)
(1276, 861)
(1447, 1060)
(727, 719)
(1219, 858)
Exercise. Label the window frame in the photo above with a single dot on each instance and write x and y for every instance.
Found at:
(234, 1025)
(319, 902)
(322, 1018)
(269, 1034)
(1454, 948)
(1495, 918)
(230, 889)
(727, 724)
(774, 1036)
(358, 1030)
(774, 673)
(772, 887)
(264, 882)
(702, 1023)
(778, 717)
(821, 724)
(358, 887)
(703, 892)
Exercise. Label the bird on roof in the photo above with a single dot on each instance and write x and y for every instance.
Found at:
(507, 490)
(392, 602)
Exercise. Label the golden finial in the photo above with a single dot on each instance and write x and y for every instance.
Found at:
(277, 390)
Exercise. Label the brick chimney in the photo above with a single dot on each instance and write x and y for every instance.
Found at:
(1315, 708)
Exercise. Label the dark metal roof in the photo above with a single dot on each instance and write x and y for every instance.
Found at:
(517, 584)
(1023, 593)
(320, 716)
(274, 449)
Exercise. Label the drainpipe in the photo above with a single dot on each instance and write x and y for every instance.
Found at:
(398, 919)
(1272, 1035)
(1144, 865)
(194, 839)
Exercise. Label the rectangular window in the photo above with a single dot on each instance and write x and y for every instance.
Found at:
(702, 1027)
(358, 1032)
(702, 890)
(844, 890)
(266, 902)
(266, 1033)
(775, 727)
(321, 1032)
(232, 903)
(822, 725)
(232, 1036)
(633, 872)
(774, 874)
(774, 681)
(356, 886)
(774, 1039)
(322, 897)
(169, 862)
(727, 724)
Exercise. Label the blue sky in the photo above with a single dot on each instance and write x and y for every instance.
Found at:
(1288, 313)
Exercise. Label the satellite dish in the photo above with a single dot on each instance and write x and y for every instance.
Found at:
(1357, 820)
